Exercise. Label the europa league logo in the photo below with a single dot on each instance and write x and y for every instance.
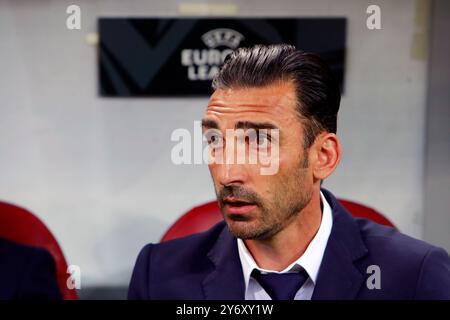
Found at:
(203, 64)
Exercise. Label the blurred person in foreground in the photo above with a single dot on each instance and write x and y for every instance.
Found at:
(26, 273)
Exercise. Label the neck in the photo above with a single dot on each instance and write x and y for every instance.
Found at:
(279, 251)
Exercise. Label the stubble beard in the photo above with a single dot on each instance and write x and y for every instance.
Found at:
(291, 195)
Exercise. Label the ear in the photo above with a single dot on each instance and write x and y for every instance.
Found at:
(325, 155)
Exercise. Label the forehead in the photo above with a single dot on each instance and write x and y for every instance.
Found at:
(275, 102)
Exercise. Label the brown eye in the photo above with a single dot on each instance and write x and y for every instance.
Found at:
(263, 139)
(213, 138)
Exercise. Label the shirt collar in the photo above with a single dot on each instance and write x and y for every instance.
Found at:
(311, 258)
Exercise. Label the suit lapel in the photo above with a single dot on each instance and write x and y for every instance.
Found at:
(226, 281)
(339, 277)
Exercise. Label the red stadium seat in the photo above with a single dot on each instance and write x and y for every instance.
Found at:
(203, 217)
(21, 226)
(361, 211)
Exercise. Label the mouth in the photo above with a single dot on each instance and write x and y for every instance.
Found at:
(238, 206)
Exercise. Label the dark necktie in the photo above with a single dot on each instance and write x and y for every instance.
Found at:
(281, 286)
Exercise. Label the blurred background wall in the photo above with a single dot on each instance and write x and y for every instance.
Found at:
(98, 171)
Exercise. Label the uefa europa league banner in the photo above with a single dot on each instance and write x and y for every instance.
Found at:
(178, 57)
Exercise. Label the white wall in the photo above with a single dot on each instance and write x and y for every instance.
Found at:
(98, 171)
(436, 224)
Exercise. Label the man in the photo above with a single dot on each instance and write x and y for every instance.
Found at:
(26, 273)
(283, 237)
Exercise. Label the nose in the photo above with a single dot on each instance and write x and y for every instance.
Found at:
(229, 174)
(229, 166)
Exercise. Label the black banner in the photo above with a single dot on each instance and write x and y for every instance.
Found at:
(179, 57)
(82, 310)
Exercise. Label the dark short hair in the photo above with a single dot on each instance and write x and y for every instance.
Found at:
(317, 91)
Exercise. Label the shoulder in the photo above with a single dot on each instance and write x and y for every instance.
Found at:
(387, 241)
(390, 240)
(190, 247)
(407, 262)
(383, 243)
(159, 265)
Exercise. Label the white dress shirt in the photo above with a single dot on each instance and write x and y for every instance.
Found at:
(310, 261)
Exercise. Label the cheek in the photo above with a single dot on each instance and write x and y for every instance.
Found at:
(292, 173)
(213, 170)
(292, 155)
(286, 163)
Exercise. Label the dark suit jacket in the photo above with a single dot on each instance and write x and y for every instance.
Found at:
(26, 273)
(207, 265)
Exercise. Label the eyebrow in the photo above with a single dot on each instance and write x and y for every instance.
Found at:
(211, 124)
(254, 125)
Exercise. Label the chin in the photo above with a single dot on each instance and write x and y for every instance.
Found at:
(245, 230)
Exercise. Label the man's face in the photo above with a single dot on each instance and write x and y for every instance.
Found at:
(257, 206)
